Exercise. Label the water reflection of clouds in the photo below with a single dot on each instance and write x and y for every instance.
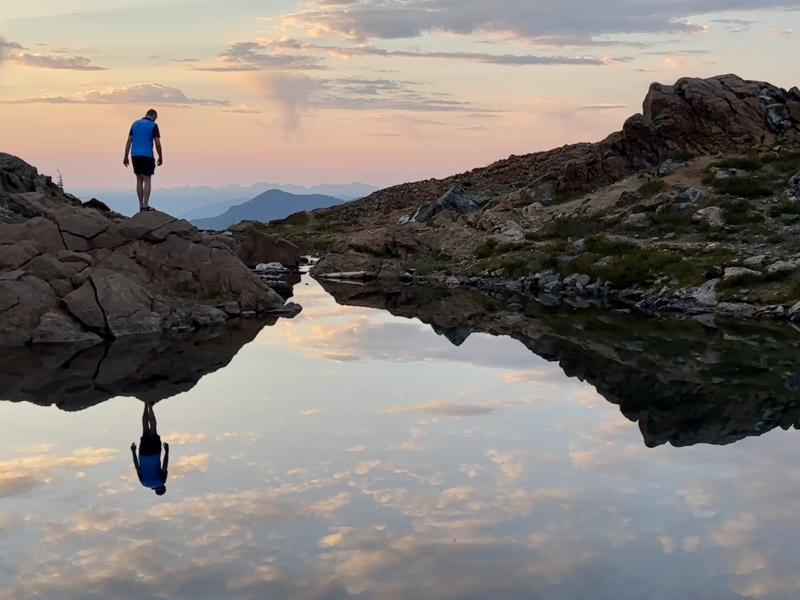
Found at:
(458, 487)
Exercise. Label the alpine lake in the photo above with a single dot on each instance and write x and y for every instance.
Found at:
(404, 443)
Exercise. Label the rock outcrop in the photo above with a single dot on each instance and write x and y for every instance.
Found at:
(75, 273)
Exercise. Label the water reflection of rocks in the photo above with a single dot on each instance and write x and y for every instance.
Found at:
(684, 382)
(150, 369)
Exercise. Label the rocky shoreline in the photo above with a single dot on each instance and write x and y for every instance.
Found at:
(552, 289)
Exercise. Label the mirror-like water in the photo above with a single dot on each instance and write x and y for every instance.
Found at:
(430, 447)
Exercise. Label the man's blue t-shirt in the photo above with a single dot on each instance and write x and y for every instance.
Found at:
(144, 131)
(150, 473)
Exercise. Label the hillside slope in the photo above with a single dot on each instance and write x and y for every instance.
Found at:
(663, 215)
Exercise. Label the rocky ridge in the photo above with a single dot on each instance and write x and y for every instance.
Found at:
(660, 216)
(73, 273)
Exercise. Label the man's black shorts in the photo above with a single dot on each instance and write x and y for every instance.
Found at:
(150, 444)
(144, 165)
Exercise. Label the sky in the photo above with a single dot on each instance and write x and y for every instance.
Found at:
(334, 91)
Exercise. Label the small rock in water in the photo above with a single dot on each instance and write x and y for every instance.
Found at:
(706, 294)
(271, 268)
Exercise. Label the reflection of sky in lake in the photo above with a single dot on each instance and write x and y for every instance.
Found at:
(352, 454)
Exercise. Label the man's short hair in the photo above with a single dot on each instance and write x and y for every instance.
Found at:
(152, 113)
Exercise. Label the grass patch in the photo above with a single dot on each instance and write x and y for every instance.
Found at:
(751, 186)
(297, 219)
(785, 208)
(787, 163)
(653, 187)
(683, 156)
(742, 163)
(576, 227)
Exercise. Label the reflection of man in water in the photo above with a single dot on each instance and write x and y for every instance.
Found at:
(148, 466)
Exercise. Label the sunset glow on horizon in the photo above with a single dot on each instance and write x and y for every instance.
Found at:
(379, 91)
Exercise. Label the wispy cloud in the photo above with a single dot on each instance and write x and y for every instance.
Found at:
(565, 23)
(271, 54)
(56, 61)
(146, 93)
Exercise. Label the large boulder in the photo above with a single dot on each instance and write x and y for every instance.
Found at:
(456, 199)
(255, 247)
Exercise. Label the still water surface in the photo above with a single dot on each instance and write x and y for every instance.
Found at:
(350, 453)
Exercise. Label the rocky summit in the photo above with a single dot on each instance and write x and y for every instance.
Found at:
(693, 206)
(74, 273)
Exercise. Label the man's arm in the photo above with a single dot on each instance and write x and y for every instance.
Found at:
(160, 153)
(166, 463)
(126, 161)
(135, 459)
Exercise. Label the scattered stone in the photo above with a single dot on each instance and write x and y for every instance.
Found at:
(452, 282)
(684, 208)
(755, 261)
(97, 205)
(781, 268)
(577, 280)
(793, 189)
(670, 167)
(794, 312)
(456, 199)
(711, 216)
(637, 221)
(690, 195)
(273, 267)
(56, 328)
(629, 198)
(349, 276)
(706, 294)
(532, 210)
(740, 275)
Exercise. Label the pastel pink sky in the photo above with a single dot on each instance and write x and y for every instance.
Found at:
(380, 91)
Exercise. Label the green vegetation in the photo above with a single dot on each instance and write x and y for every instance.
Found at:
(684, 156)
(787, 163)
(623, 264)
(492, 247)
(749, 186)
(653, 187)
(742, 163)
(576, 227)
(297, 219)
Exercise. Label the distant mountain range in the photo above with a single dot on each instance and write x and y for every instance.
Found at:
(204, 202)
(269, 206)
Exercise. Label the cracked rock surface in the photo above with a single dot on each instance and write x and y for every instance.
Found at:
(72, 273)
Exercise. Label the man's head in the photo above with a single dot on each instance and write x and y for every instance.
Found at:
(161, 491)
(151, 114)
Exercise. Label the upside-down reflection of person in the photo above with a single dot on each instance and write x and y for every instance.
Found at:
(152, 474)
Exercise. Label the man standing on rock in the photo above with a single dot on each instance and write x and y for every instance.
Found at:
(143, 134)
(152, 474)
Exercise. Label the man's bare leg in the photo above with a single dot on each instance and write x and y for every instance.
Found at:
(145, 421)
(153, 424)
(140, 190)
(146, 197)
